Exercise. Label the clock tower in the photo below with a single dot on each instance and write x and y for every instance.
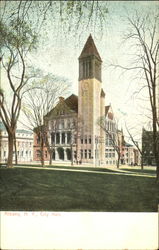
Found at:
(91, 106)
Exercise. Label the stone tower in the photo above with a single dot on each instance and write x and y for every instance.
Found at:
(91, 106)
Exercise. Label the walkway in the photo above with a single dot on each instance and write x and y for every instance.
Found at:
(114, 171)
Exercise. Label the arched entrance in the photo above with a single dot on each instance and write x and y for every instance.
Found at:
(60, 153)
(68, 152)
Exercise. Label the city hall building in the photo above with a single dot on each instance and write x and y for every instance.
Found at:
(73, 124)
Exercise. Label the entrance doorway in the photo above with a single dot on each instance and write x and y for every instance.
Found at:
(60, 153)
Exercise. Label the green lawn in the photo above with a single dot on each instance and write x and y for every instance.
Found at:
(48, 190)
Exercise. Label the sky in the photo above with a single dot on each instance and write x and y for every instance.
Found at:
(58, 54)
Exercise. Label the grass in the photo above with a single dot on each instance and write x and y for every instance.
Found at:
(141, 171)
(47, 190)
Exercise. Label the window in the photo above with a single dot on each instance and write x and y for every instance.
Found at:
(52, 138)
(85, 153)
(86, 69)
(38, 139)
(81, 141)
(57, 138)
(38, 153)
(63, 138)
(62, 124)
(89, 140)
(68, 137)
(89, 153)
(85, 140)
(45, 154)
(68, 124)
(75, 154)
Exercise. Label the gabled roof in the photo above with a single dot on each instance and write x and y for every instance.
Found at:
(106, 109)
(69, 104)
(109, 112)
(90, 49)
(72, 102)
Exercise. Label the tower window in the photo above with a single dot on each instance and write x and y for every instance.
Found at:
(86, 69)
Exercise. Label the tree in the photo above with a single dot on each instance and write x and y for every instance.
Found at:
(18, 23)
(145, 34)
(76, 129)
(39, 100)
(143, 37)
(69, 16)
(114, 138)
(16, 41)
(136, 144)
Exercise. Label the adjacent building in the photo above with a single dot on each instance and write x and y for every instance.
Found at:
(111, 140)
(147, 147)
(24, 145)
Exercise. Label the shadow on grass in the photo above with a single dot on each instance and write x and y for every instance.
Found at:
(38, 190)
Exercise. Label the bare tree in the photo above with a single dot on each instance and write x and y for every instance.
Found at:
(39, 100)
(143, 37)
(16, 41)
(114, 139)
(136, 144)
(76, 130)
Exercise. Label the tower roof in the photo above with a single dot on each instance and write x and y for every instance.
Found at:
(90, 49)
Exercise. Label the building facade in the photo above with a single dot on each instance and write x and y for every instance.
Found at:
(111, 140)
(24, 145)
(147, 147)
(72, 125)
(73, 131)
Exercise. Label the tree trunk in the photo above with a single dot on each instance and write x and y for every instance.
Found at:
(118, 161)
(71, 155)
(10, 150)
(51, 154)
(42, 153)
(15, 148)
(142, 166)
(155, 138)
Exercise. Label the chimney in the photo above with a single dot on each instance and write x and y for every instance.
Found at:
(61, 99)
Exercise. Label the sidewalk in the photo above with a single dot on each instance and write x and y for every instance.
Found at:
(115, 170)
